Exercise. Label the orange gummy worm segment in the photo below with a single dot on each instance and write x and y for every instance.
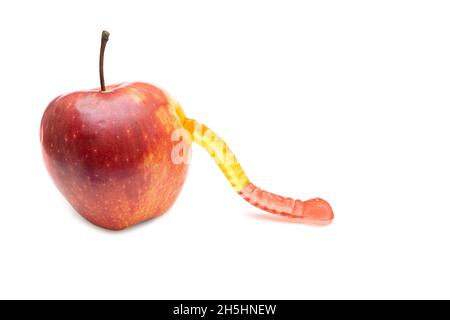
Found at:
(314, 209)
(311, 210)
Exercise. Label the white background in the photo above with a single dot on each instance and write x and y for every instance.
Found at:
(346, 100)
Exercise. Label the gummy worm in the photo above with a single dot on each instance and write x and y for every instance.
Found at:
(313, 210)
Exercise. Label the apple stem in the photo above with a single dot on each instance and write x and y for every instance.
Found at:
(105, 37)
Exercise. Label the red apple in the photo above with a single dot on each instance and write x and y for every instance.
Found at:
(109, 150)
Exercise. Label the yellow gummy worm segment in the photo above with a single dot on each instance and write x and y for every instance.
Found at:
(219, 151)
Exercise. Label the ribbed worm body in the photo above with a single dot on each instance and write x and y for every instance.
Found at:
(314, 209)
(220, 152)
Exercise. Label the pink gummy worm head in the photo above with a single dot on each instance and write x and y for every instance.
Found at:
(317, 210)
(311, 211)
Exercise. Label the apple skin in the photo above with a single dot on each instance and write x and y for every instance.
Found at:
(109, 152)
